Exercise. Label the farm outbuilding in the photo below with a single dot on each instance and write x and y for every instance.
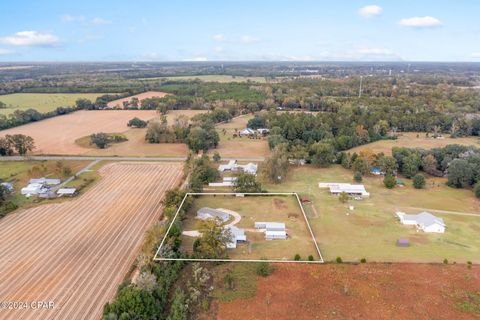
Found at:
(50, 182)
(209, 213)
(34, 189)
(67, 192)
(356, 190)
(272, 226)
(8, 186)
(238, 235)
(273, 234)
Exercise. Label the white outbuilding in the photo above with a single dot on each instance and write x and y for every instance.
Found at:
(424, 221)
(354, 190)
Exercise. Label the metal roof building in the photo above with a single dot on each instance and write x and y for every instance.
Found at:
(209, 213)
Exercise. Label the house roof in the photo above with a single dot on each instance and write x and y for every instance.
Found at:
(66, 191)
(214, 213)
(348, 188)
(275, 233)
(45, 180)
(424, 219)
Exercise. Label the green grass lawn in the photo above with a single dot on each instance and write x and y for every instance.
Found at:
(20, 172)
(42, 102)
(259, 208)
(371, 230)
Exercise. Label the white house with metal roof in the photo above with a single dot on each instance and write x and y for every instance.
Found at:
(50, 182)
(209, 213)
(237, 235)
(424, 221)
(250, 168)
(356, 190)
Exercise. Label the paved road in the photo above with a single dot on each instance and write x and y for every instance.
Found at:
(89, 158)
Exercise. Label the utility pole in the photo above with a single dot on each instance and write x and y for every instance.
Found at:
(360, 89)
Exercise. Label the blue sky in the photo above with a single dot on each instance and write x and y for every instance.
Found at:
(107, 30)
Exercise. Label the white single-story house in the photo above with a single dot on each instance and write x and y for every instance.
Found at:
(263, 131)
(209, 213)
(230, 166)
(34, 189)
(67, 192)
(424, 221)
(274, 234)
(50, 182)
(250, 168)
(350, 189)
(238, 235)
(271, 226)
(246, 132)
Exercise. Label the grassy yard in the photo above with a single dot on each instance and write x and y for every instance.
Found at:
(415, 140)
(20, 172)
(371, 230)
(239, 146)
(259, 208)
(42, 102)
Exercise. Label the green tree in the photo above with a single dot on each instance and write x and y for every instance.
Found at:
(460, 174)
(245, 182)
(264, 269)
(197, 140)
(361, 165)
(411, 165)
(343, 197)
(101, 140)
(136, 303)
(21, 143)
(419, 181)
(322, 154)
(137, 122)
(275, 167)
(178, 310)
(6, 147)
(212, 244)
(476, 190)
(216, 156)
(389, 181)
(388, 165)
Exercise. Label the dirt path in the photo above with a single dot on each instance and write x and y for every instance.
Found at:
(76, 253)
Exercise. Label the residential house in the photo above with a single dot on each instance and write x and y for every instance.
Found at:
(354, 190)
(424, 221)
(209, 213)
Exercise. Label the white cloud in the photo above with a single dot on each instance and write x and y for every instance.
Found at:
(31, 39)
(420, 22)
(475, 55)
(218, 37)
(375, 51)
(70, 18)
(100, 22)
(6, 52)
(370, 11)
(249, 39)
(218, 49)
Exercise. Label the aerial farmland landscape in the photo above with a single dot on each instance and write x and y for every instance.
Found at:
(239, 160)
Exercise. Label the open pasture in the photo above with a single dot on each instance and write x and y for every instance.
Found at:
(251, 209)
(415, 140)
(42, 102)
(241, 147)
(57, 135)
(371, 229)
(76, 253)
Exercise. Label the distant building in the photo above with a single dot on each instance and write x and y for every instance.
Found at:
(35, 189)
(70, 192)
(424, 221)
(246, 132)
(209, 213)
(263, 131)
(274, 235)
(377, 172)
(8, 186)
(355, 190)
(50, 182)
(238, 235)
(227, 182)
(250, 168)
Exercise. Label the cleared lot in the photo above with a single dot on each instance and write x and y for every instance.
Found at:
(57, 135)
(76, 253)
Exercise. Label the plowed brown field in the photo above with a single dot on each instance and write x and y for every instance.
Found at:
(76, 253)
(57, 135)
(367, 291)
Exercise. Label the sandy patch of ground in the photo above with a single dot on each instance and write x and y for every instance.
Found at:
(367, 291)
(149, 94)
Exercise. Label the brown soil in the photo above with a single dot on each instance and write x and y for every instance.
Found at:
(367, 291)
(76, 253)
(149, 94)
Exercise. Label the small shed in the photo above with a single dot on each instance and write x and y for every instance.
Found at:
(50, 182)
(403, 243)
(273, 235)
(69, 192)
